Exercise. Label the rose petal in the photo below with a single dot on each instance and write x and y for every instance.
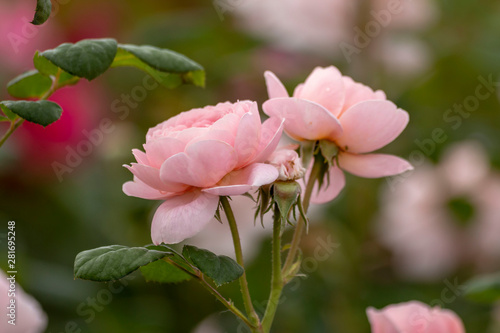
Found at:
(325, 87)
(304, 120)
(371, 125)
(373, 165)
(356, 92)
(275, 88)
(151, 177)
(203, 164)
(244, 180)
(270, 135)
(445, 321)
(158, 150)
(379, 322)
(329, 191)
(139, 189)
(140, 157)
(182, 217)
(247, 139)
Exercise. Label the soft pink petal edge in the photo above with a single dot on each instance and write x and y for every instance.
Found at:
(373, 165)
(244, 180)
(330, 191)
(275, 88)
(182, 217)
(379, 322)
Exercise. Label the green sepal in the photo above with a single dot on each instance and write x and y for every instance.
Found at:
(285, 194)
(329, 150)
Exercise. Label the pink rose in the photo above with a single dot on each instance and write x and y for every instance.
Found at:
(414, 317)
(197, 156)
(288, 163)
(350, 115)
(29, 316)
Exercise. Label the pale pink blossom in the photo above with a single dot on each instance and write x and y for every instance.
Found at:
(28, 314)
(414, 317)
(299, 25)
(350, 115)
(195, 157)
(288, 163)
(419, 221)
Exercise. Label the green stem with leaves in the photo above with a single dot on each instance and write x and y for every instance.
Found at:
(16, 122)
(299, 229)
(247, 300)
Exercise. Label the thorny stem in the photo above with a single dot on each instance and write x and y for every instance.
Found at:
(294, 247)
(276, 279)
(247, 300)
(201, 278)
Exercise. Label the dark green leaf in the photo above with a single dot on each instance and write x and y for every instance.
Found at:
(29, 85)
(113, 262)
(88, 58)
(221, 269)
(42, 12)
(163, 272)
(167, 67)
(40, 112)
(484, 289)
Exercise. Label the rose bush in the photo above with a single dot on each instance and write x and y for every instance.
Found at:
(347, 114)
(195, 157)
(414, 317)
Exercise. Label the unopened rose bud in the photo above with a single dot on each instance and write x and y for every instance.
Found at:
(288, 163)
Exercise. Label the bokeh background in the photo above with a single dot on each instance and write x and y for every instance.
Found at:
(419, 236)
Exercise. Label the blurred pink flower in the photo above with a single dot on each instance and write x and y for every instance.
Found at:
(20, 39)
(442, 216)
(197, 156)
(299, 25)
(29, 316)
(332, 107)
(38, 147)
(414, 317)
(320, 26)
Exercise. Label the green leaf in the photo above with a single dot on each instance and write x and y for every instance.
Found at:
(169, 68)
(40, 112)
(113, 262)
(10, 115)
(43, 65)
(484, 289)
(163, 272)
(88, 58)
(29, 85)
(221, 269)
(42, 12)
(2, 118)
